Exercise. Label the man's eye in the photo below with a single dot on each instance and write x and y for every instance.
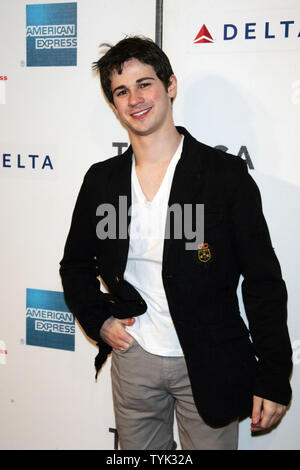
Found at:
(144, 85)
(122, 92)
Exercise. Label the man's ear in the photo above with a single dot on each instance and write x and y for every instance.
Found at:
(172, 87)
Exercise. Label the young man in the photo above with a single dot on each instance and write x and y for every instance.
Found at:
(171, 317)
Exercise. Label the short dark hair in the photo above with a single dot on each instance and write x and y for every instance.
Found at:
(135, 47)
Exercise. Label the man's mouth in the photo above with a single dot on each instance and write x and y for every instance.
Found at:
(141, 114)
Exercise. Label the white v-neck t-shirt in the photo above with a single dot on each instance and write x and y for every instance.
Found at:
(154, 330)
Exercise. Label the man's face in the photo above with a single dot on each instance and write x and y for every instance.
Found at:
(141, 101)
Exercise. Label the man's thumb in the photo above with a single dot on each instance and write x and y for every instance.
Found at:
(128, 321)
(257, 408)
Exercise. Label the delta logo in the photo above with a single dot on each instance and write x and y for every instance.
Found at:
(29, 161)
(203, 36)
(249, 31)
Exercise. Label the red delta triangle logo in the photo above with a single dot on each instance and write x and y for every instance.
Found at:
(203, 36)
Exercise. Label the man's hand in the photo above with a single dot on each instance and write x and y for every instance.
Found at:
(113, 332)
(265, 414)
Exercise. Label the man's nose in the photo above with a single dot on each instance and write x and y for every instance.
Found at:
(135, 97)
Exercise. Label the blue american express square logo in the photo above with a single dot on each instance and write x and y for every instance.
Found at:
(51, 34)
(49, 322)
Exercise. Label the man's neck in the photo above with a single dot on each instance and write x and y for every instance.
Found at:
(158, 147)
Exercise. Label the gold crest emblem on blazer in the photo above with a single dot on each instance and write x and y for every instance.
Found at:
(204, 253)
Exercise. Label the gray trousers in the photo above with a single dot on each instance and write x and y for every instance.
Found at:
(146, 390)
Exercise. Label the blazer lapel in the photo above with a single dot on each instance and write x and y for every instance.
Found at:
(120, 184)
(188, 179)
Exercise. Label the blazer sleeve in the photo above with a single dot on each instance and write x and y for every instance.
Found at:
(78, 268)
(263, 290)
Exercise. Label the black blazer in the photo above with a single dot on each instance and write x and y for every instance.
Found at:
(226, 366)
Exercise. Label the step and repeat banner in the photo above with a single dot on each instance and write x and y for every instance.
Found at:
(239, 89)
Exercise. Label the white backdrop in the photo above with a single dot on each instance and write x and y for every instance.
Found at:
(241, 94)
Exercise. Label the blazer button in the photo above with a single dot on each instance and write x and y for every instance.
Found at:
(117, 279)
